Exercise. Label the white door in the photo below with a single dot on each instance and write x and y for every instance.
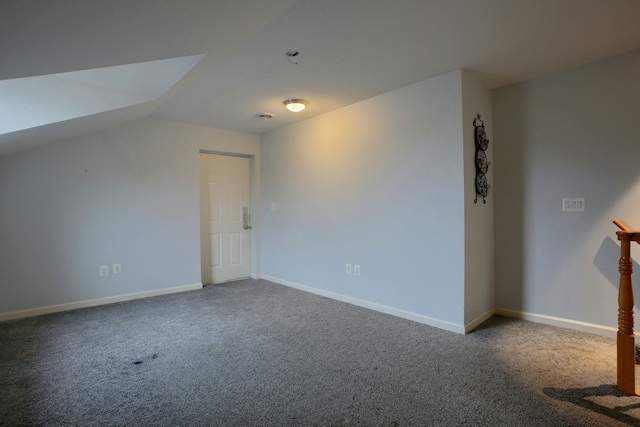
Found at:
(224, 218)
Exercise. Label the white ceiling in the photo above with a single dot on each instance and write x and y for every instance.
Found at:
(350, 50)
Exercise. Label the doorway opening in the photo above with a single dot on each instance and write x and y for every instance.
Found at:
(225, 218)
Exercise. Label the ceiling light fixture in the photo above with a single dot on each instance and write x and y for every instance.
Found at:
(295, 105)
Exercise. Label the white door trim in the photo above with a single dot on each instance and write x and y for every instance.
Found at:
(253, 203)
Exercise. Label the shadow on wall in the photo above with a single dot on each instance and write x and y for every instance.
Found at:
(604, 399)
(606, 261)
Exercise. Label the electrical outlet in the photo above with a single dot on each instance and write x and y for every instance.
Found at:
(273, 207)
(347, 268)
(356, 269)
(117, 268)
(104, 270)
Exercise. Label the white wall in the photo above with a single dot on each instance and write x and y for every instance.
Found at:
(126, 195)
(381, 184)
(478, 217)
(387, 183)
(571, 134)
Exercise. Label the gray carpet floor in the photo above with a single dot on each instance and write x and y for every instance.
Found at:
(254, 353)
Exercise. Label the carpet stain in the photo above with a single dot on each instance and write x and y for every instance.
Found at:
(141, 361)
(25, 353)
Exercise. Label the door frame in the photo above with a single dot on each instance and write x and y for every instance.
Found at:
(254, 210)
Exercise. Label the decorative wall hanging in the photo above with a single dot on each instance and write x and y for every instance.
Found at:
(482, 164)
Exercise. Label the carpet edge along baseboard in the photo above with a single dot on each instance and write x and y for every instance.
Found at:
(37, 311)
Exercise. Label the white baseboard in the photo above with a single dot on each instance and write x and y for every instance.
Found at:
(479, 320)
(442, 324)
(449, 326)
(12, 315)
(606, 331)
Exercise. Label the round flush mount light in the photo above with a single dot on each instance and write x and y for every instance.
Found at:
(295, 105)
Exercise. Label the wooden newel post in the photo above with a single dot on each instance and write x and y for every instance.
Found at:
(626, 337)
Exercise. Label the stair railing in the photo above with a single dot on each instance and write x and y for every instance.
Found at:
(626, 349)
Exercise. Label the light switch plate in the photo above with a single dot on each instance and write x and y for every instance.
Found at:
(573, 204)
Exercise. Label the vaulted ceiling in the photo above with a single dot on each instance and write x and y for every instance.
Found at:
(70, 67)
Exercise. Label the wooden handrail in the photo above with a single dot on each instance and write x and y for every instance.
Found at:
(622, 226)
(626, 348)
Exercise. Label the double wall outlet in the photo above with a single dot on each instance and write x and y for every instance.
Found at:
(355, 270)
(115, 269)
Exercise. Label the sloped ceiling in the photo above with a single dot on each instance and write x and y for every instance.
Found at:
(220, 63)
(41, 100)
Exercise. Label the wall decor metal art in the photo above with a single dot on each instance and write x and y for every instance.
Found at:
(482, 164)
